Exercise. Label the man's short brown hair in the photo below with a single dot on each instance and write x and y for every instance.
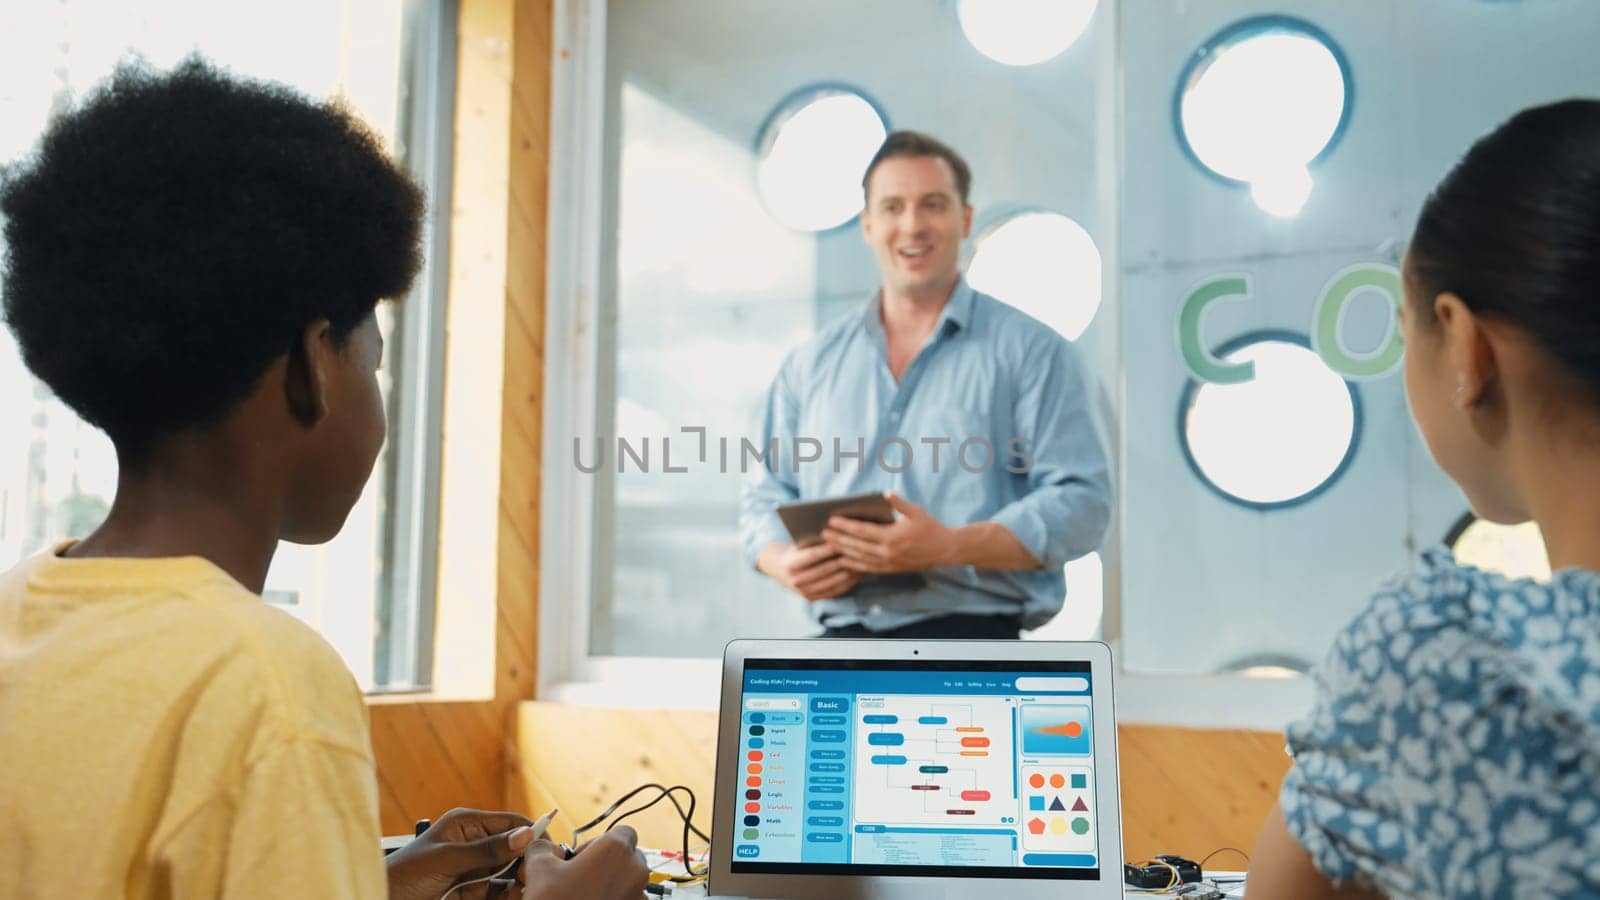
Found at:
(915, 143)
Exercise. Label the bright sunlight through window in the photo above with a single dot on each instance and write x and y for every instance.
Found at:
(1081, 613)
(813, 153)
(1278, 437)
(1044, 264)
(1259, 103)
(1024, 32)
(1515, 551)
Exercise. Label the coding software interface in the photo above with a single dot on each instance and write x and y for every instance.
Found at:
(956, 768)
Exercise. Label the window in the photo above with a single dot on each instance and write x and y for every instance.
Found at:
(1259, 103)
(814, 150)
(1515, 551)
(711, 292)
(713, 232)
(1277, 439)
(365, 590)
(1079, 619)
(1044, 264)
(1024, 32)
(57, 475)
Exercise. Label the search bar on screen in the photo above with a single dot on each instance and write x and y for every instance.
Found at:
(1070, 684)
(771, 703)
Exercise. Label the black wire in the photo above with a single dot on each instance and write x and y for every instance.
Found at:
(1224, 850)
(688, 821)
(634, 793)
(613, 808)
(667, 793)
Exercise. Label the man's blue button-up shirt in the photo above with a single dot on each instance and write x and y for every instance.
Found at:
(990, 422)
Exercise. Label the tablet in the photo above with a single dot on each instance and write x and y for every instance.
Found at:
(805, 521)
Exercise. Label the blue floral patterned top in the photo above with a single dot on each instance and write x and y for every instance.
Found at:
(1454, 750)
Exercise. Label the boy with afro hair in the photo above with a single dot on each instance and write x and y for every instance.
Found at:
(193, 262)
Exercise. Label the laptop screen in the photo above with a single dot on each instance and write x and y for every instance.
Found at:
(956, 768)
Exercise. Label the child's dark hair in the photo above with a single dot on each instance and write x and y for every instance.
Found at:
(1514, 230)
(175, 235)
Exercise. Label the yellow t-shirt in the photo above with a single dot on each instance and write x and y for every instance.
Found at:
(166, 733)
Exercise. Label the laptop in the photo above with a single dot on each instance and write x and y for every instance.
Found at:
(880, 770)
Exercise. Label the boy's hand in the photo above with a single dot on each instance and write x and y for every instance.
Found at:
(462, 845)
(610, 867)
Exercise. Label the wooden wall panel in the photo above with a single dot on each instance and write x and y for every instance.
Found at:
(1191, 791)
(435, 755)
(516, 670)
(581, 758)
(1187, 791)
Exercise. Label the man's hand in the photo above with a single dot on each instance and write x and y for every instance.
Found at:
(816, 572)
(610, 867)
(462, 845)
(914, 542)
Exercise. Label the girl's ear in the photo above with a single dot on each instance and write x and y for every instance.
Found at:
(1467, 349)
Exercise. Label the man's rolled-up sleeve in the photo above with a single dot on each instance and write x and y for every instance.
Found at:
(766, 485)
(1067, 507)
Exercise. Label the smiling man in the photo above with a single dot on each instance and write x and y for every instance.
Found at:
(973, 417)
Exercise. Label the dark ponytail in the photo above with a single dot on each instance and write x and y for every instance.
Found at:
(1514, 230)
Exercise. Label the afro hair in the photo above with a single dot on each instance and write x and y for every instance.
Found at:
(172, 237)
